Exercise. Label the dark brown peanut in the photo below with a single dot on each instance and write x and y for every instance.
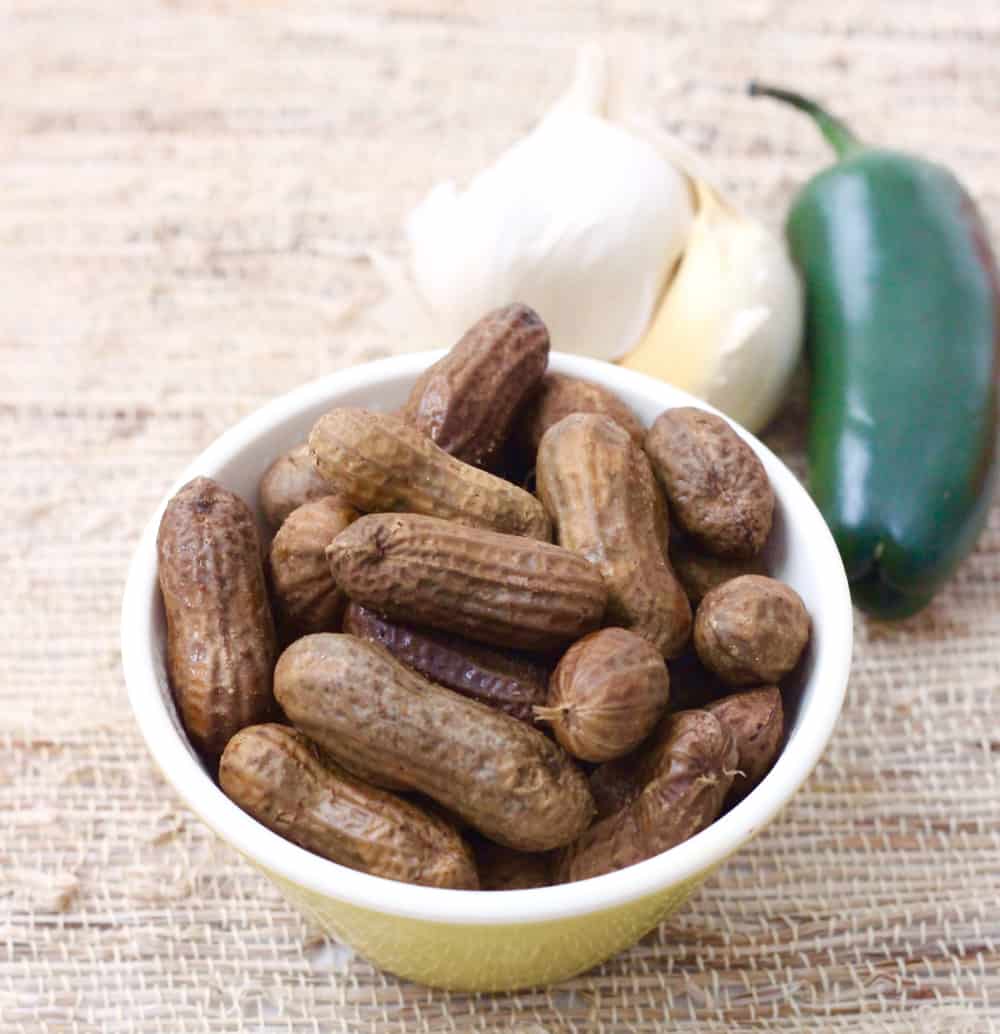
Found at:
(756, 719)
(498, 678)
(597, 485)
(614, 785)
(380, 464)
(290, 481)
(685, 777)
(606, 694)
(701, 572)
(561, 395)
(718, 490)
(279, 777)
(499, 589)
(501, 868)
(691, 683)
(751, 630)
(466, 401)
(504, 778)
(307, 597)
(220, 635)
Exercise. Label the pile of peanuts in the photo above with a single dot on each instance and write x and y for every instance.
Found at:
(480, 686)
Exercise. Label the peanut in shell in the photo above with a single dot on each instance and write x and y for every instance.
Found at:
(499, 589)
(717, 488)
(278, 776)
(751, 631)
(467, 400)
(599, 489)
(685, 775)
(700, 572)
(289, 482)
(221, 644)
(756, 719)
(380, 464)
(502, 777)
(559, 395)
(607, 693)
(500, 679)
(307, 597)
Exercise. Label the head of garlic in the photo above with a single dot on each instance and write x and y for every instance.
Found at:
(613, 232)
(582, 219)
(729, 328)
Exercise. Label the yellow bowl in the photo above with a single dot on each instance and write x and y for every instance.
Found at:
(480, 940)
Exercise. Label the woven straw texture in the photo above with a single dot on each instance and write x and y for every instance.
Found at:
(189, 195)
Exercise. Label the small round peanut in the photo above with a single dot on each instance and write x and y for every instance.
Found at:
(606, 694)
(290, 481)
(307, 596)
(751, 630)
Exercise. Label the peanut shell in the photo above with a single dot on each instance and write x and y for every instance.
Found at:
(718, 490)
(751, 630)
(221, 645)
(290, 481)
(606, 694)
(380, 465)
(280, 778)
(756, 719)
(700, 572)
(502, 777)
(501, 868)
(599, 489)
(614, 785)
(498, 589)
(498, 678)
(685, 776)
(559, 395)
(308, 598)
(466, 401)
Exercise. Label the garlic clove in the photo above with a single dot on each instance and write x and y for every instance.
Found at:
(729, 328)
(582, 219)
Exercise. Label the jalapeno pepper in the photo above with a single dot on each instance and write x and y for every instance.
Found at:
(902, 334)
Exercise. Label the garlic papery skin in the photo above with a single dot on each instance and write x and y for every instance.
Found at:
(582, 220)
(729, 329)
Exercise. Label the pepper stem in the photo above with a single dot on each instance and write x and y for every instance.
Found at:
(840, 137)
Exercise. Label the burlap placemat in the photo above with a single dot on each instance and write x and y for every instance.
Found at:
(188, 193)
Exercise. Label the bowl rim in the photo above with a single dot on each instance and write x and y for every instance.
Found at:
(287, 861)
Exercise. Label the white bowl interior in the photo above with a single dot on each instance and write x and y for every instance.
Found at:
(800, 552)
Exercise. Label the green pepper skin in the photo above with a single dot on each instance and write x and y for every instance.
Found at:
(903, 338)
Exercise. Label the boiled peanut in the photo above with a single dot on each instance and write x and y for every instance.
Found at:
(700, 572)
(504, 778)
(691, 683)
(499, 589)
(607, 692)
(221, 644)
(308, 598)
(685, 777)
(614, 785)
(501, 868)
(718, 490)
(751, 630)
(560, 395)
(466, 401)
(597, 485)
(757, 721)
(381, 464)
(279, 777)
(498, 678)
(290, 481)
